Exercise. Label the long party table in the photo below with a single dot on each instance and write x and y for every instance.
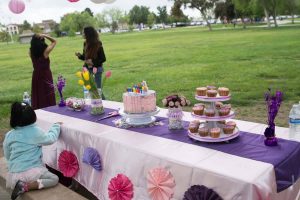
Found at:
(130, 152)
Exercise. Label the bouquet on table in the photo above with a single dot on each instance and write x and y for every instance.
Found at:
(60, 84)
(174, 103)
(273, 103)
(88, 81)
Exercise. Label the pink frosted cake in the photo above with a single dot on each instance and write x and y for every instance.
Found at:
(139, 99)
(135, 103)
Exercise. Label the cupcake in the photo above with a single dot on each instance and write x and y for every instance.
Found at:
(231, 123)
(193, 128)
(215, 132)
(228, 129)
(200, 104)
(224, 112)
(198, 110)
(203, 131)
(219, 104)
(212, 93)
(223, 91)
(209, 112)
(201, 91)
(196, 122)
(211, 87)
(227, 106)
(223, 122)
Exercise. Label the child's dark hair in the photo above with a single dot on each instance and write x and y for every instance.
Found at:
(21, 115)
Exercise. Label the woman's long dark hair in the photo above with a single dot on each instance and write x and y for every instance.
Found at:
(38, 46)
(21, 115)
(92, 44)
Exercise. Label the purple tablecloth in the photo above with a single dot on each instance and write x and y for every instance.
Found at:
(285, 157)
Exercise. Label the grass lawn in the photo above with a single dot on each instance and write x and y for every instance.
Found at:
(175, 61)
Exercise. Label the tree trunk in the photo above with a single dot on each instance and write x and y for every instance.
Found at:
(275, 20)
(244, 24)
(293, 19)
(205, 18)
(268, 17)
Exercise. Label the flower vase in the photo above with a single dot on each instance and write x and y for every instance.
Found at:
(62, 102)
(270, 139)
(175, 118)
(96, 103)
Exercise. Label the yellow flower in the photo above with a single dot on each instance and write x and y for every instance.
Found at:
(86, 75)
(80, 82)
(88, 87)
(78, 74)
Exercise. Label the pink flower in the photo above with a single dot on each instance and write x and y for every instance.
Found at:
(108, 74)
(120, 188)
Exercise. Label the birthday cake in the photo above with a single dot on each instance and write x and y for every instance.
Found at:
(139, 99)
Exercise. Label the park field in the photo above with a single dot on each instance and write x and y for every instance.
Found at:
(175, 61)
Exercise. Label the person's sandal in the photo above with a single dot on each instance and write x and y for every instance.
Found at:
(20, 188)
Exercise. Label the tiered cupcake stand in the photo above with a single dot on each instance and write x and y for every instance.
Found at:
(212, 122)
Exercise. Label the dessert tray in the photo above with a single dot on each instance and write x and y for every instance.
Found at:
(212, 99)
(139, 119)
(214, 118)
(223, 137)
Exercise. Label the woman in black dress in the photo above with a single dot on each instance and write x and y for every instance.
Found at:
(42, 90)
(93, 54)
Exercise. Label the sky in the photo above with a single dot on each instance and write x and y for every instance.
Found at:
(38, 10)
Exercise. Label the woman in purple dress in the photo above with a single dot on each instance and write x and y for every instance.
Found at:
(42, 90)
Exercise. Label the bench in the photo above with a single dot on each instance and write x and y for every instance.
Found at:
(58, 192)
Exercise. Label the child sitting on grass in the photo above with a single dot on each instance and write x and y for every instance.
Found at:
(23, 151)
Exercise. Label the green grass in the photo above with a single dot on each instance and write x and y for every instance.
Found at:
(174, 61)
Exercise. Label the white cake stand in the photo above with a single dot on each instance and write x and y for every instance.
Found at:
(139, 119)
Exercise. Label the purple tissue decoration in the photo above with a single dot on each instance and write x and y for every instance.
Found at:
(92, 157)
(273, 103)
(197, 192)
(61, 82)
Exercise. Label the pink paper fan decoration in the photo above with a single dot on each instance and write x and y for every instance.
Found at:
(120, 188)
(68, 163)
(73, 1)
(16, 6)
(160, 184)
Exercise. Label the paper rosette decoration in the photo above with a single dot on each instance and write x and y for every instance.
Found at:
(68, 163)
(160, 184)
(120, 188)
(16, 6)
(92, 157)
(197, 192)
(73, 1)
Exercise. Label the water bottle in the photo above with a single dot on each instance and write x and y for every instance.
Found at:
(86, 95)
(26, 98)
(294, 122)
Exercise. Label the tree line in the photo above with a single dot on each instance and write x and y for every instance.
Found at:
(116, 19)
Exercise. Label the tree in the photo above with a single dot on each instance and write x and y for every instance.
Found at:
(225, 10)
(151, 19)
(76, 21)
(88, 10)
(204, 6)
(4, 36)
(114, 27)
(162, 15)
(138, 15)
(26, 25)
(243, 9)
(177, 14)
(101, 20)
(290, 7)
